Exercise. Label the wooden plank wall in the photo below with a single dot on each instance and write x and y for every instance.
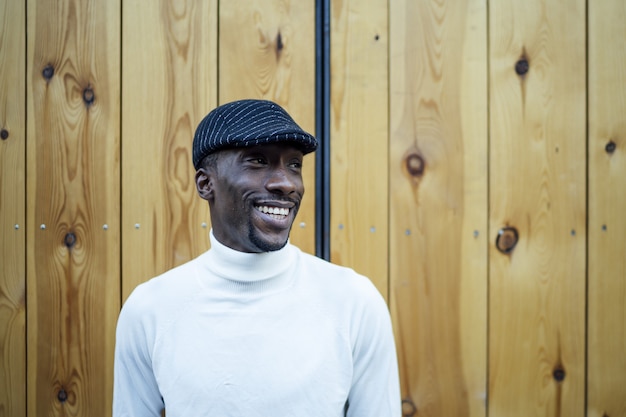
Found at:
(438, 204)
(359, 131)
(606, 149)
(12, 209)
(73, 204)
(538, 201)
(169, 77)
(477, 177)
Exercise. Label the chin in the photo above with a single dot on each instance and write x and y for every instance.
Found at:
(268, 245)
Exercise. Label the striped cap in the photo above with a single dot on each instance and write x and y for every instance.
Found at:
(247, 123)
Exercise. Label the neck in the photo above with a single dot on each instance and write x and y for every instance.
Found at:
(249, 267)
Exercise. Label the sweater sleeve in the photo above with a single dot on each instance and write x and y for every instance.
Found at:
(375, 390)
(135, 390)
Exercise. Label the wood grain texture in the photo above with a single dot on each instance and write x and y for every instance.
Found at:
(438, 201)
(169, 84)
(12, 210)
(267, 50)
(73, 288)
(537, 185)
(359, 129)
(424, 80)
(606, 370)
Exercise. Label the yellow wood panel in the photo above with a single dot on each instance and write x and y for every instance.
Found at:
(360, 138)
(537, 186)
(438, 204)
(607, 205)
(169, 84)
(267, 50)
(73, 288)
(12, 210)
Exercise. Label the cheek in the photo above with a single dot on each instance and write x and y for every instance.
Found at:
(300, 186)
(228, 190)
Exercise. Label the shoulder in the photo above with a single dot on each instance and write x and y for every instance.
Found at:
(340, 283)
(163, 293)
(338, 274)
(350, 299)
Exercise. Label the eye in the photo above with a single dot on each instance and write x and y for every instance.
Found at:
(297, 164)
(257, 160)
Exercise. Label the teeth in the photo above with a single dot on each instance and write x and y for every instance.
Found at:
(273, 210)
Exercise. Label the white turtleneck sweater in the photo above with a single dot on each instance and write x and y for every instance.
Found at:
(275, 334)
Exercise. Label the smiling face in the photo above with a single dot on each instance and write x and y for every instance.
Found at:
(254, 195)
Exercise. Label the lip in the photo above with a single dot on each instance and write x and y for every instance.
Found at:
(274, 220)
(275, 203)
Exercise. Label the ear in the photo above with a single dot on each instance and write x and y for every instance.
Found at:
(204, 184)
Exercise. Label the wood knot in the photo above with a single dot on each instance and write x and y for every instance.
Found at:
(610, 147)
(415, 165)
(559, 374)
(507, 239)
(521, 67)
(62, 395)
(88, 96)
(408, 407)
(279, 45)
(70, 240)
(4, 134)
(48, 72)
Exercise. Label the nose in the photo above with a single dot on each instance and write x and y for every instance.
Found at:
(281, 181)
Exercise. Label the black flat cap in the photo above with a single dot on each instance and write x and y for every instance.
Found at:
(246, 123)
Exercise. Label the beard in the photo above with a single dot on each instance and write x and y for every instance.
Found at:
(264, 245)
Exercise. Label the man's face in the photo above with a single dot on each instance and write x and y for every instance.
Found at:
(254, 194)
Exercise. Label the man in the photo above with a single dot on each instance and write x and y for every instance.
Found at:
(254, 327)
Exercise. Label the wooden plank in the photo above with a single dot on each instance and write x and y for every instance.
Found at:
(267, 50)
(73, 260)
(438, 204)
(537, 186)
(607, 205)
(360, 138)
(12, 209)
(169, 84)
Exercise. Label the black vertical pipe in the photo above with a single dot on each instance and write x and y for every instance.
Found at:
(322, 128)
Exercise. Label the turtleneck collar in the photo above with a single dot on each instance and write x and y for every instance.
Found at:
(248, 267)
